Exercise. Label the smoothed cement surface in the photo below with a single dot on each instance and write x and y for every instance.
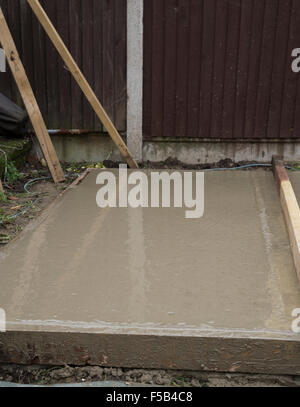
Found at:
(85, 269)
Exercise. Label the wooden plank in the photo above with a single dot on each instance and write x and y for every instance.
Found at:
(208, 40)
(290, 209)
(82, 82)
(38, 44)
(293, 129)
(64, 79)
(76, 101)
(243, 68)
(230, 67)
(31, 105)
(289, 96)
(281, 55)
(267, 63)
(147, 83)
(183, 24)
(98, 61)
(219, 64)
(157, 68)
(170, 68)
(195, 47)
(108, 57)
(254, 65)
(88, 47)
(52, 81)
(120, 60)
(24, 41)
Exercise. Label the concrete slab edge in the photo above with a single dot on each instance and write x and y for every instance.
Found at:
(290, 209)
(198, 353)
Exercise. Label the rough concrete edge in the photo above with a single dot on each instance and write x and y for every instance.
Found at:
(93, 148)
(238, 355)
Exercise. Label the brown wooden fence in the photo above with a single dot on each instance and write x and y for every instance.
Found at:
(95, 32)
(212, 68)
(221, 69)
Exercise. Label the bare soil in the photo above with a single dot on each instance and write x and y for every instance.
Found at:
(20, 207)
(60, 375)
(174, 164)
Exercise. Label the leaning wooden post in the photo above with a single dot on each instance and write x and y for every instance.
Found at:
(82, 82)
(30, 102)
(290, 208)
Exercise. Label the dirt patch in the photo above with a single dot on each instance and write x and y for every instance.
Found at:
(59, 375)
(18, 207)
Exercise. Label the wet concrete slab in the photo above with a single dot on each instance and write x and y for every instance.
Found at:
(150, 288)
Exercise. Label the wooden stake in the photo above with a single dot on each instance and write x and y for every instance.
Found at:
(290, 208)
(1, 187)
(82, 82)
(30, 102)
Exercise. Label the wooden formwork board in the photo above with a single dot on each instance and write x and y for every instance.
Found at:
(81, 81)
(29, 99)
(290, 209)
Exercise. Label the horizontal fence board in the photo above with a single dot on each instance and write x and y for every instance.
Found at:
(221, 69)
(95, 33)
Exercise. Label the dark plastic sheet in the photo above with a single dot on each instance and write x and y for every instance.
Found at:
(13, 119)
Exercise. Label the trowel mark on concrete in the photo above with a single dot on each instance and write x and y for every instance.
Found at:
(273, 284)
(84, 245)
(30, 270)
(137, 262)
(81, 251)
(29, 261)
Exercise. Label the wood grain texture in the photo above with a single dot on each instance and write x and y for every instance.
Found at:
(30, 103)
(227, 352)
(222, 69)
(290, 209)
(82, 82)
(46, 71)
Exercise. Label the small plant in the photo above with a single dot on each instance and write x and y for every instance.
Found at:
(95, 166)
(3, 197)
(12, 174)
(5, 219)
